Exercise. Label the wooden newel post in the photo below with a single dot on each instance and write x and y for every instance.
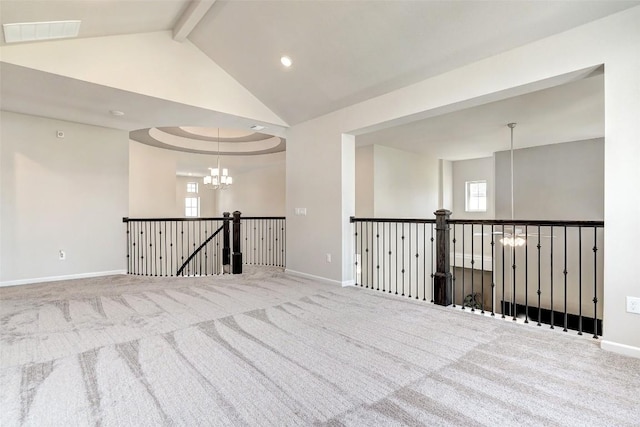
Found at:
(226, 243)
(236, 265)
(442, 276)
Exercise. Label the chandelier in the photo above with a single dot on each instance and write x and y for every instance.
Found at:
(219, 178)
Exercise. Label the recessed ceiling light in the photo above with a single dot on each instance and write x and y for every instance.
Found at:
(116, 113)
(32, 31)
(258, 127)
(286, 61)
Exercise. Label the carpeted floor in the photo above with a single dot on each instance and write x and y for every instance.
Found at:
(267, 348)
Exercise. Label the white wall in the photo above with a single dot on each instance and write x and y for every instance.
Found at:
(472, 170)
(316, 146)
(406, 184)
(258, 192)
(364, 181)
(152, 182)
(557, 181)
(61, 194)
(155, 191)
(445, 184)
(392, 183)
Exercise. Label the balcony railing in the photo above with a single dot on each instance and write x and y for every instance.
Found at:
(203, 246)
(547, 272)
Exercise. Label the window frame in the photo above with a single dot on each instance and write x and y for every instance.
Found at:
(468, 196)
(192, 187)
(192, 211)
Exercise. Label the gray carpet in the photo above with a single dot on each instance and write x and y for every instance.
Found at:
(272, 349)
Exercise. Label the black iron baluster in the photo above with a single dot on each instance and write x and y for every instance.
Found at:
(409, 269)
(396, 266)
(163, 249)
(384, 251)
(503, 281)
(270, 242)
(206, 252)
(464, 264)
(432, 256)
(579, 280)
(565, 272)
(493, 273)
(482, 267)
(390, 266)
(513, 251)
(128, 248)
(539, 279)
(526, 274)
(473, 297)
(403, 259)
(366, 255)
(595, 282)
(146, 248)
(355, 247)
(181, 244)
(158, 237)
(552, 308)
(155, 248)
(417, 260)
(254, 240)
(377, 256)
(453, 278)
(424, 262)
(362, 254)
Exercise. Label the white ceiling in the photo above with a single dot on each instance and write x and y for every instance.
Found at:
(569, 112)
(99, 17)
(349, 51)
(343, 52)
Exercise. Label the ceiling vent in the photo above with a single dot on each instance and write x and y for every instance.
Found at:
(33, 31)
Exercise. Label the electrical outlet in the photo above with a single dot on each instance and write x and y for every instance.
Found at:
(328, 257)
(62, 255)
(633, 305)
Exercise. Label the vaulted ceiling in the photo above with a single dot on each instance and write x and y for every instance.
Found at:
(343, 52)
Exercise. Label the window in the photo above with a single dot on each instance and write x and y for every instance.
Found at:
(192, 206)
(192, 187)
(476, 196)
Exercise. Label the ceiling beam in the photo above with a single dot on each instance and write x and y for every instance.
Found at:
(190, 18)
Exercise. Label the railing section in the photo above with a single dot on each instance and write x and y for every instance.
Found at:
(395, 256)
(547, 272)
(159, 247)
(196, 246)
(263, 241)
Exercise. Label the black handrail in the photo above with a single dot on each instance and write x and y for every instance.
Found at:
(547, 223)
(198, 250)
(216, 218)
(394, 220)
(554, 222)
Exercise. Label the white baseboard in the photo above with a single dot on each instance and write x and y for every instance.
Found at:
(614, 347)
(59, 278)
(319, 279)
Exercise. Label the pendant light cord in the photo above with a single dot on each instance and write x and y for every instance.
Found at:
(511, 126)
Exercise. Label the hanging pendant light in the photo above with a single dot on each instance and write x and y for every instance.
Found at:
(219, 178)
